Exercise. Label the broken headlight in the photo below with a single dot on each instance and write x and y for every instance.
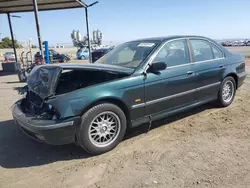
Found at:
(49, 112)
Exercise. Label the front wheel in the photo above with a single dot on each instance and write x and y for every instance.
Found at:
(227, 91)
(102, 128)
(65, 60)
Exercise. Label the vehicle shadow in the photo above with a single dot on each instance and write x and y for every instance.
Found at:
(4, 73)
(20, 90)
(17, 150)
(15, 82)
(145, 127)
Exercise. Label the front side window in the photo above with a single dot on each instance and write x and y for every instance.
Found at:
(173, 53)
(201, 50)
(52, 52)
(130, 54)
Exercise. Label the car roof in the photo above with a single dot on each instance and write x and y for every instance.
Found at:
(166, 38)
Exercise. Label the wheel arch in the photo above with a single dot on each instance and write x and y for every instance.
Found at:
(115, 101)
(234, 75)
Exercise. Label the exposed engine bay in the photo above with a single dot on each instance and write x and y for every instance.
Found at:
(69, 80)
(34, 105)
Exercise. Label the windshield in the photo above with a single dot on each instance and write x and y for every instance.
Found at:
(53, 52)
(129, 54)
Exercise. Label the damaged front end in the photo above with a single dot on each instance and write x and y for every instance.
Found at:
(42, 121)
(40, 86)
(48, 112)
(39, 119)
(34, 105)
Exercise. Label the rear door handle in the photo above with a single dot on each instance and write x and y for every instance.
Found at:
(221, 66)
(190, 72)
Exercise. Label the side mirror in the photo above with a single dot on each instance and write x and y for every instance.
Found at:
(158, 66)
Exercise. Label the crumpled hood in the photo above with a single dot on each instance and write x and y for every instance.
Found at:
(96, 66)
(43, 78)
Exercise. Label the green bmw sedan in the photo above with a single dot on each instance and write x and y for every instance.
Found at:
(93, 104)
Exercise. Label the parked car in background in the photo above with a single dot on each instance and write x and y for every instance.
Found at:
(97, 54)
(9, 56)
(82, 53)
(57, 57)
(247, 42)
(241, 43)
(137, 82)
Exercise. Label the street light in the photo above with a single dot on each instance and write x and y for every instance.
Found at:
(87, 23)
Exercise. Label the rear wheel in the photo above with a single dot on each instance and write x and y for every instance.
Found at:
(227, 91)
(65, 59)
(102, 128)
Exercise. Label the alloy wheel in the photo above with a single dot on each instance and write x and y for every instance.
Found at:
(104, 129)
(228, 91)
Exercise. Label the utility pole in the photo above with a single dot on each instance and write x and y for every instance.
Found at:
(12, 36)
(87, 23)
(38, 27)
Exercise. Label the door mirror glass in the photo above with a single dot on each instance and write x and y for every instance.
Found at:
(158, 66)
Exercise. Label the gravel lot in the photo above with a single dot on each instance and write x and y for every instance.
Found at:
(204, 147)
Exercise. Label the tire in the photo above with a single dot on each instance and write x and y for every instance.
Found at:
(222, 99)
(65, 60)
(21, 76)
(90, 134)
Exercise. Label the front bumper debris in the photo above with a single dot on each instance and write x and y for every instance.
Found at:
(55, 132)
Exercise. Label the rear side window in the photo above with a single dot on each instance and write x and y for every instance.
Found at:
(217, 52)
(201, 50)
(174, 53)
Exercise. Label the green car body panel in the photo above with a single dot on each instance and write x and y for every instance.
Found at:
(146, 96)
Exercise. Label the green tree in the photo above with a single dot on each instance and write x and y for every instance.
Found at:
(7, 43)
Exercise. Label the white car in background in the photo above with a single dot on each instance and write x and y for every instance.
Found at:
(9, 56)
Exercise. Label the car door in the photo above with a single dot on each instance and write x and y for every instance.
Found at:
(55, 55)
(208, 65)
(173, 87)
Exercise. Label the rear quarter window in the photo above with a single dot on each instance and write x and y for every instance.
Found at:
(217, 52)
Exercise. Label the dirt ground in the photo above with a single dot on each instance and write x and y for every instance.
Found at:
(204, 147)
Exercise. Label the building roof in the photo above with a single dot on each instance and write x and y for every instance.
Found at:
(10, 6)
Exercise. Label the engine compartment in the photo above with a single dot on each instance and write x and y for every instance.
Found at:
(69, 80)
(74, 79)
(34, 105)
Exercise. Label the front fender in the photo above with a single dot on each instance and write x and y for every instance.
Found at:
(126, 91)
(80, 105)
(74, 103)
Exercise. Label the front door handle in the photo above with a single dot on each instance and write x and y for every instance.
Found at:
(190, 72)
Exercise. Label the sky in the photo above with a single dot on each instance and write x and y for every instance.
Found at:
(121, 21)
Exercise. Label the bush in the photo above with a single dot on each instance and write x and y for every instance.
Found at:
(7, 43)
